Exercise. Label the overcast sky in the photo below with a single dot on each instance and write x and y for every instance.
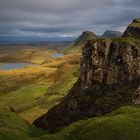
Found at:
(52, 18)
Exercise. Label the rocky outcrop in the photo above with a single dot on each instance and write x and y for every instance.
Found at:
(136, 97)
(133, 30)
(109, 64)
(84, 37)
(110, 74)
(112, 34)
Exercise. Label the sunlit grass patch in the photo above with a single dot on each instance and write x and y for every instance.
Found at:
(13, 79)
(25, 97)
(33, 113)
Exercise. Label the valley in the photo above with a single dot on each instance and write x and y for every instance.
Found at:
(32, 82)
(87, 90)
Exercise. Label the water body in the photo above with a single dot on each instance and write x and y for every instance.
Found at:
(11, 66)
(57, 55)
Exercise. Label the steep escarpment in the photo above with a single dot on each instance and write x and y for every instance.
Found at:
(115, 63)
(110, 74)
(133, 30)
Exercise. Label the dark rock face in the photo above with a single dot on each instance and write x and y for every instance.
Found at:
(112, 34)
(110, 74)
(136, 97)
(109, 64)
(84, 37)
(133, 30)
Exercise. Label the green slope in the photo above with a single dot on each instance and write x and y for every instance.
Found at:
(25, 97)
(133, 30)
(13, 127)
(122, 124)
(77, 45)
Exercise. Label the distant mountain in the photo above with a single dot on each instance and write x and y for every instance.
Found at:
(112, 34)
(33, 40)
(84, 37)
(77, 45)
(133, 30)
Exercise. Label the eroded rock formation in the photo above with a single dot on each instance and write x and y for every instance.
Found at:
(109, 64)
(110, 74)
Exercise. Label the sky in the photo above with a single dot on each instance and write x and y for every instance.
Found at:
(65, 18)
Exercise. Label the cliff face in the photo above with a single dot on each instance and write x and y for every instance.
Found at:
(110, 74)
(109, 63)
(133, 30)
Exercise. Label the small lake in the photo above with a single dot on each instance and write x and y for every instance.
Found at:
(11, 66)
(57, 55)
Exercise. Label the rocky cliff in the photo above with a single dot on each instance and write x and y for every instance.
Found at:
(109, 63)
(110, 74)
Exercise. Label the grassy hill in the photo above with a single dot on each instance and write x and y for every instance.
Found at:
(76, 47)
(13, 127)
(122, 124)
(133, 30)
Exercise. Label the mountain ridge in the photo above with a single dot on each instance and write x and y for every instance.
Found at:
(84, 37)
(133, 30)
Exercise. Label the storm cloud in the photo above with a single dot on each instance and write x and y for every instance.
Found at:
(65, 17)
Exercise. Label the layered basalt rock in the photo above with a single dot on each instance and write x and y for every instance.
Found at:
(110, 74)
(109, 64)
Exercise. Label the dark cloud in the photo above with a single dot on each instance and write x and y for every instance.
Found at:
(65, 17)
